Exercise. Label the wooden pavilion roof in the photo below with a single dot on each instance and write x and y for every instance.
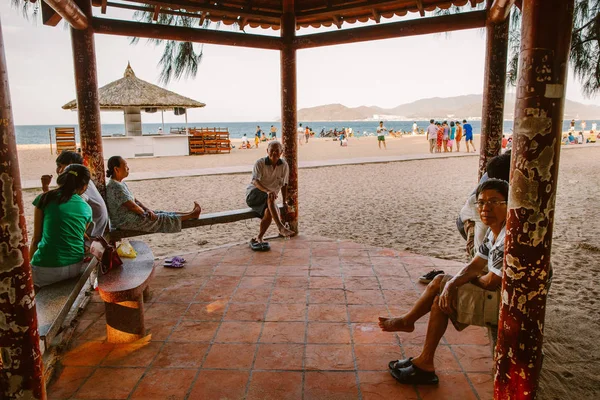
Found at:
(267, 13)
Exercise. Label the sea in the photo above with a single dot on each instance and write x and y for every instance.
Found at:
(44, 134)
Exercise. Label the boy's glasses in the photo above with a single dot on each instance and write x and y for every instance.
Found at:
(491, 203)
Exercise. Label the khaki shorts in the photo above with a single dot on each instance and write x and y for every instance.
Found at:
(475, 306)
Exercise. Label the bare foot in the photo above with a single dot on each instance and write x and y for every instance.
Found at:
(395, 325)
(285, 232)
(196, 211)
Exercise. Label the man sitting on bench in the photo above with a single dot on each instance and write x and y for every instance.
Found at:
(269, 176)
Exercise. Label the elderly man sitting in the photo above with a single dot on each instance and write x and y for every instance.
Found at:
(468, 298)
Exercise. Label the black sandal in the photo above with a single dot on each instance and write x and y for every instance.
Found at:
(259, 246)
(413, 375)
(397, 364)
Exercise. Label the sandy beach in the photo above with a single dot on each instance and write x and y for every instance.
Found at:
(409, 206)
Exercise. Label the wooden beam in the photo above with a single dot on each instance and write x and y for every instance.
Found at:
(150, 9)
(156, 12)
(70, 12)
(103, 6)
(49, 16)
(337, 10)
(500, 10)
(473, 3)
(337, 21)
(423, 26)
(243, 23)
(421, 8)
(376, 15)
(167, 32)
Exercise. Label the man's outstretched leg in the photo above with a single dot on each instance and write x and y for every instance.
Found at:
(265, 222)
(274, 211)
(438, 323)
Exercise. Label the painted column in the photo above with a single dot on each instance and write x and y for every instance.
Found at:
(492, 115)
(88, 108)
(545, 43)
(20, 358)
(289, 117)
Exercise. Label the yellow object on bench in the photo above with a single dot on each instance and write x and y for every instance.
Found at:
(65, 139)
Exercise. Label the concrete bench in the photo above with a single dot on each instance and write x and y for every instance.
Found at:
(53, 303)
(123, 289)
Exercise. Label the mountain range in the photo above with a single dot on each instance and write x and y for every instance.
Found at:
(467, 106)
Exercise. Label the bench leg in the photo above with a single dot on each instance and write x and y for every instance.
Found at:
(125, 321)
(146, 293)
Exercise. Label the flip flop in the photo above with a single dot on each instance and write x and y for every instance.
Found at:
(173, 264)
(259, 246)
(397, 364)
(413, 375)
(176, 258)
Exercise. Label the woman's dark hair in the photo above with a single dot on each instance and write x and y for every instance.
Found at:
(451, 123)
(73, 178)
(498, 185)
(113, 162)
(68, 158)
(499, 167)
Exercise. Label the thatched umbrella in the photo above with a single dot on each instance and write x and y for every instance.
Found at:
(132, 95)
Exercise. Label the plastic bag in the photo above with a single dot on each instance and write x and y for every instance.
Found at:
(126, 250)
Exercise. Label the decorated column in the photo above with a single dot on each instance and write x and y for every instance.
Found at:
(86, 87)
(545, 42)
(289, 117)
(20, 358)
(492, 115)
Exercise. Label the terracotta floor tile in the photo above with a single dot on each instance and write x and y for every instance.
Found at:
(326, 296)
(453, 385)
(298, 252)
(326, 282)
(262, 270)
(293, 270)
(328, 332)
(283, 332)
(181, 355)
(219, 385)
(279, 356)
(94, 310)
(323, 245)
(275, 386)
(229, 270)
(245, 312)
(138, 354)
(250, 282)
(375, 357)
(325, 261)
(209, 294)
(346, 244)
(364, 297)
(68, 381)
(396, 283)
(230, 356)
(160, 384)
(474, 358)
(470, 335)
(353, 252)
(223, 282)
(96, 331)
(417, 337)
(159, 329)
(393, 297)
(329, 357)
(286, 312)
(294, 262)
(330, 386)
(368, 313)
(484, 385)
(84, 354)
(355, 261)
(358, 270)
(165, 310)
(366, 333)
(416, 261)
(327, 312)
(206, 311)
(325, 253)
(361, 283)
(101, 385)
(382, 386)
(288, 295)
(316, 271)
(299, 282)
(238, 332)
(176, 295)
(82, 325)
(444, 359)
(251, 295)
(194, 331)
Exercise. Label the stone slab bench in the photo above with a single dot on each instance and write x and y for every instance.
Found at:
(222, 217)
(122, 289)
(53, 303)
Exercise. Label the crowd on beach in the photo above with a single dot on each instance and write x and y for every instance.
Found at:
(581, 137)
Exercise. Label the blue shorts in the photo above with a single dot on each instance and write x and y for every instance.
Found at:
(468, 138)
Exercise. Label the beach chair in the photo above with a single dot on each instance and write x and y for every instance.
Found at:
(65, 139)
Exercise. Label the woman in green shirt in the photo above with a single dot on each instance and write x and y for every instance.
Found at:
(60, 221)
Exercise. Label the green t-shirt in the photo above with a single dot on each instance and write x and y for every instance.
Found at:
(62, 241)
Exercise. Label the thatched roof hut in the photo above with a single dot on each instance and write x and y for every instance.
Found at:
(130, 91)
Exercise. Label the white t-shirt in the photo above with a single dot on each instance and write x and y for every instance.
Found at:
(415, 127)
(244, 139)
(99, 211)
(594, 126)
(273, 179)
(432, 132)
(381, 130)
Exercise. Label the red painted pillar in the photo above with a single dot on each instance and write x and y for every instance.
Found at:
(88, 108)
(20, 358)
(289, 117)
(492, 115)
(545, 43)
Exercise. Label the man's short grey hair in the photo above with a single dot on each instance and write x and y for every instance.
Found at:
(274, 143)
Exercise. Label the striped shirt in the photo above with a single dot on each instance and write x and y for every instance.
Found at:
(493, 252)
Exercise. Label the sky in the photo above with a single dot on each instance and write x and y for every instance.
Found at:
(242, 84)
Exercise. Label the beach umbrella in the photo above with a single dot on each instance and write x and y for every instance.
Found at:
(132, 95)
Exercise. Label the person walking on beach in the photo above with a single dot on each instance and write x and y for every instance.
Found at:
(381, 130)
(459, 135)
(446, 135)
(269, 177)
(273, 133)
(452, 136)
(439, 137)
(257, 136)
(468, 135)
(572, 127)
(307, 134)
(431, 135)
(300, 133)
(415, 129)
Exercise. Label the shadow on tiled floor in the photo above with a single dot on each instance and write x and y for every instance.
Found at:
(298, 322)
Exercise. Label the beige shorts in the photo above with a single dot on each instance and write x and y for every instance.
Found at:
(475, 306)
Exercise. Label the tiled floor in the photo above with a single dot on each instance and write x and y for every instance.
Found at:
(298, 322)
